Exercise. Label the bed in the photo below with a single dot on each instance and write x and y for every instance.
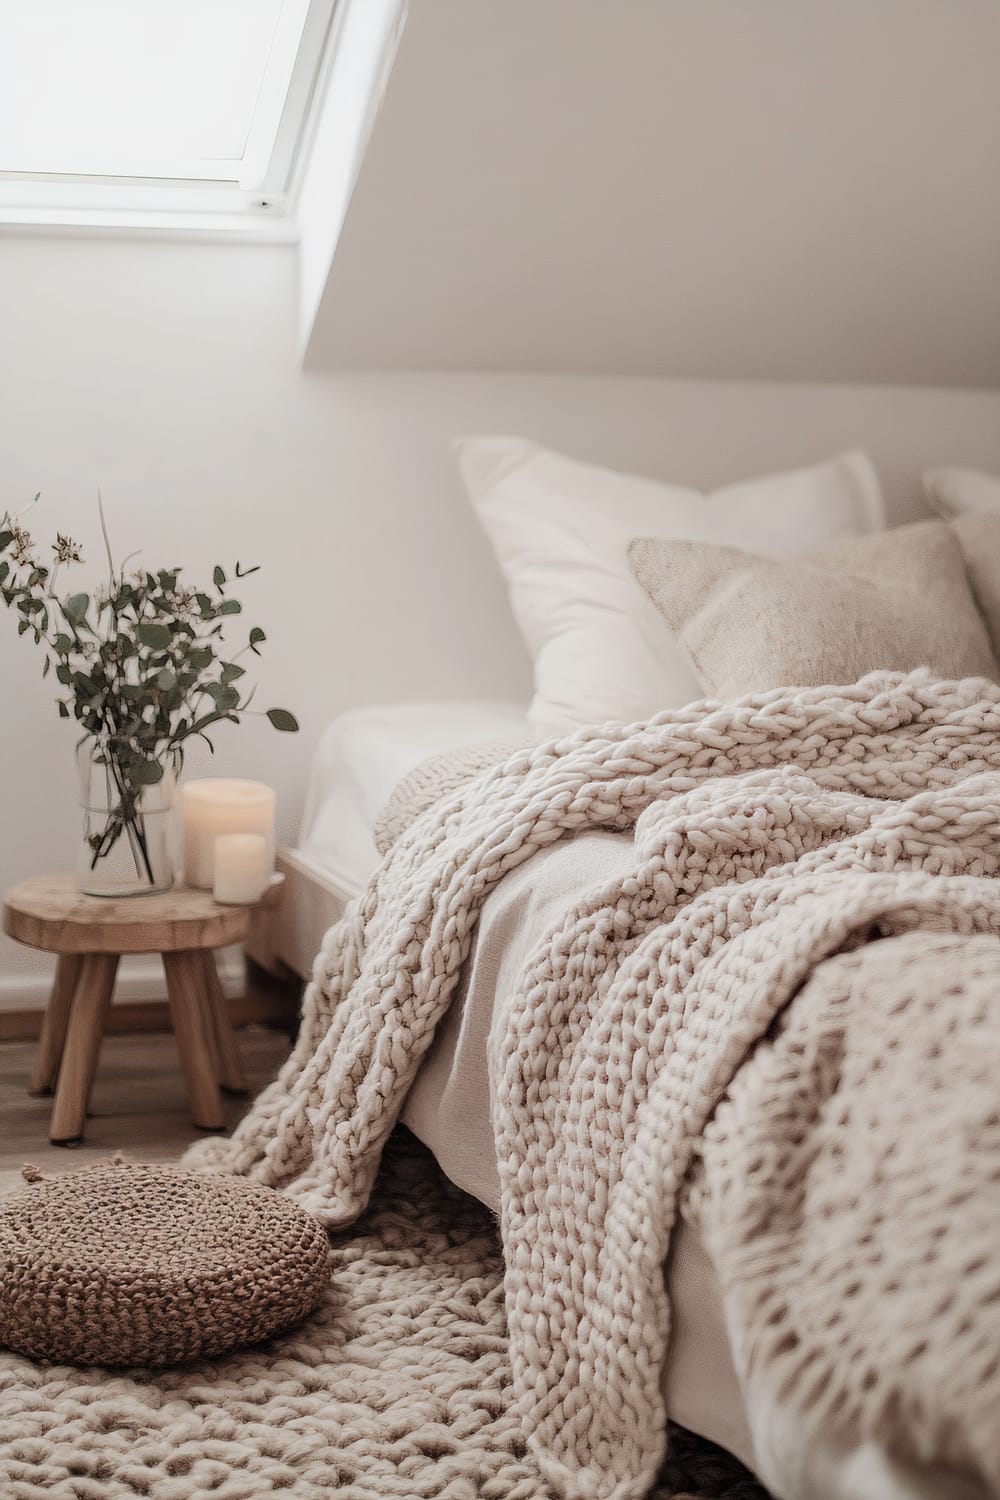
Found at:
(362, 757)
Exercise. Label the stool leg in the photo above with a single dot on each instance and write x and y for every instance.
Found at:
(56, 1019)
(226, 1055)
(185, 985)
(83, 1042)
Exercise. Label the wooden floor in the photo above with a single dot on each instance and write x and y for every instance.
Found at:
(138, 1105)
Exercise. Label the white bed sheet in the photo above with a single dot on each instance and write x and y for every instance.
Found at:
(362, 756)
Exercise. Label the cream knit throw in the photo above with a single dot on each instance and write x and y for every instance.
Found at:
(768, 834)
(850, 1192)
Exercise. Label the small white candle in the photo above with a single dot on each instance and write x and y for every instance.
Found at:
(217, 806)
(242, 872)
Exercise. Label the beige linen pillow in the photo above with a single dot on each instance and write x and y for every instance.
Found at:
(896, 601)
(979, 537)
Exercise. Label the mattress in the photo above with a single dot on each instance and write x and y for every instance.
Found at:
(361, 757)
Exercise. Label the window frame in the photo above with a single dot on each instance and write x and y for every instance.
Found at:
(209, 208)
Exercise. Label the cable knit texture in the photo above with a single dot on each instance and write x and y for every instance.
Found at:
(436, 777)
(850, 1193)
(769, 834)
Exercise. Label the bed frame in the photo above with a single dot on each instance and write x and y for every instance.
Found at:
(286, 940)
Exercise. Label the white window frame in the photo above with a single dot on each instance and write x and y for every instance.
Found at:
(202, 207)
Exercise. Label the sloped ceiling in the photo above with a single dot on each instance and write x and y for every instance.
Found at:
(773, 189)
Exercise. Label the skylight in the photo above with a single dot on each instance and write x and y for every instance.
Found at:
(153, 104)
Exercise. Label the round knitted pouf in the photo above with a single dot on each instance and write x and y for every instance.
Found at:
(128, 1264)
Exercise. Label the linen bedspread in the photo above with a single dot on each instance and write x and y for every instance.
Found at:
(769, 835)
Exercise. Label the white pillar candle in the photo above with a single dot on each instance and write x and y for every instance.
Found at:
(216, 806)
(242, 871)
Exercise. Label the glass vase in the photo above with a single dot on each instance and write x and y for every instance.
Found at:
(128, 831)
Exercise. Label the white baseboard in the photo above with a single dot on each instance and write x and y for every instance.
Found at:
(138, 979)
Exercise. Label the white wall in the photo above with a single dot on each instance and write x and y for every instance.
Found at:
(167, 374)
(755, 189)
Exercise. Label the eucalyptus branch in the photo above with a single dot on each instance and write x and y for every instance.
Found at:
(25, 508)
(141, 662)
(107, 539)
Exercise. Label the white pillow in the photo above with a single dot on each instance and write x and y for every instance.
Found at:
(561, 529)
(956, 492)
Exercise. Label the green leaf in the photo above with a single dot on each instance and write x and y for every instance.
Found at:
(85, 686)
(75, 608)
(201, 724)
(63, 710)
(283, 720)
(47, 667)
(231, 670)
(22, 626)
(146, 773)
(218, 577)
(223, 697)
(166, 681)
(153, 637)
(230, 607)
(6, 537)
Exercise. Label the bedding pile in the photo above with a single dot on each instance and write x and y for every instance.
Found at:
(770, 835)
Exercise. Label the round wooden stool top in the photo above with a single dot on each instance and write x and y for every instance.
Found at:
(51, 912)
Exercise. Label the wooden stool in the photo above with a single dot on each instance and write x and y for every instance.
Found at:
(90, 933)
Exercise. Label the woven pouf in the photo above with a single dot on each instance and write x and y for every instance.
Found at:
(129, 1264)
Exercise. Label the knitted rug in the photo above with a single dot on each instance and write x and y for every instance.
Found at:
(397, 1389)
(769, 834)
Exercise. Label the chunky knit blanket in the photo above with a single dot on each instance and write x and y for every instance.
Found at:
(769, 834)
